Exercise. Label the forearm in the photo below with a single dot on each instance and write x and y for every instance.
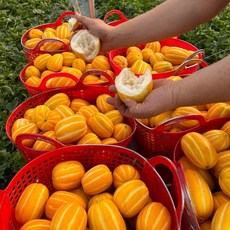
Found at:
(208, 85)
(170, 18)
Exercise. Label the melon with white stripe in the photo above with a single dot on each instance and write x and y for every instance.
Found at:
(59, 198)
(31, 203)
(71, 129)
(154, 216)
(104, 215)
(67, 175)
(199, 150)
(224, 181)
(37, 224)
(58, 99)
(101, 125)
(131, 197)
(122, 131)
(220, 219)
(70, 216)
(200, 195)
(97, 179)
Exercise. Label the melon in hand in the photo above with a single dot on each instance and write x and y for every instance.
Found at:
(129, 85)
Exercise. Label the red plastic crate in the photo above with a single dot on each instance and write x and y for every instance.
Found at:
(40, 170)
(189, 220)
(158, 141)
(88, 92)
(31, 54)
(184, 69)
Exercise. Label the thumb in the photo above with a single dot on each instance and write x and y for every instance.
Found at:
(131, 104)
(83, 19)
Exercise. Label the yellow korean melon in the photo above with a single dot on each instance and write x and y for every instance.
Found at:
(36, 224)
(218, 199)
(224, 181)
(19, 123)
(57, 99)
(120, 61)
(85, 45)
(123, 173)
(104, 215)
(130, 86)
(76, 103)
(89, 138)
(31, 203)
(99, 197)
(67, 175)
(122, 131)
(102, 104)
(154, 216)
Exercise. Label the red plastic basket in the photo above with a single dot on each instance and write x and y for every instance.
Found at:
(42, 87)
(40, 170)
(158, 141)
(81, 90)
(184, 69)
(31, 54)
(121, 19)
(189, 219)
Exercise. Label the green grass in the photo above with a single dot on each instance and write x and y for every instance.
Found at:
(18, 16)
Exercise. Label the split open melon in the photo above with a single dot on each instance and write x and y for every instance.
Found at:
(85, 45)
(129, 85)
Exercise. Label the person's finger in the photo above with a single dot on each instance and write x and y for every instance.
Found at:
(82, 19)
(110, 100)
(112, 88)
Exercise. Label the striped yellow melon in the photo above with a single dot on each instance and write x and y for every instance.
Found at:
(176, 55)
(43, 145)
(123, 173)
(199, 150)
(154, 216)
(64, 111)
(140, 67)
(218, 199)
(104, 215)
(132, 49)
(162, 66)
(79, 63)
(89, 138)
(29, 128)
(206, 174)
(206, 225)
(63, 81)
(37, 110)
(58, 198)
(162, 117)
(67, 175)
(101, 62)
(154, 46)
(88, 111)
(32, 42)
(222, 162)
(57, 99)
(76, 72)
(97, 179)
(144, 121)
(200, 194)
(46, 119)
(71, 129)
(77, 103)
(156, 57)
(19, 123)
(35, 33)
(62, 32)
(131, 197)
(122, 131)
(132, 57)
(101, 125)
(55, 63)
(34, 81)
(36, 224)
(224, 181)
(218, 110)
(220, 220)
(99, 197)
(115, 116)
(147, 54)
(102, 104)
(31, 203)
(109, 141)
(71, 216)
(186, 110)
(28, 114)
(226, 128)
(80, 192)
(91, 79)
(68, 58)
(40, 62)
(120, 61)
(32, 71)
(219, 139)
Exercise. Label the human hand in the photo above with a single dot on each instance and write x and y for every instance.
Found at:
(159, 100)
(98, 28)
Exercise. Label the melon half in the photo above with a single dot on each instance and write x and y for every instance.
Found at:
(85, 45)
(129, 85)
